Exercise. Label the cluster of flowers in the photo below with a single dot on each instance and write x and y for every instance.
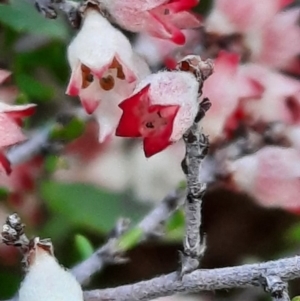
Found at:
(255, 84)
(115, 84)
(256, 47)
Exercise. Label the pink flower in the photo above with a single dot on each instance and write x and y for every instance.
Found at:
(10, 133)
(280, 99)
(159, 18)
(162, 108)
(103, 63)
(271, 36)
(271, 176)
(232, 86)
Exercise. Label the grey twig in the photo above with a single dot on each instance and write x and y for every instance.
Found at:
(41, 140)
(199, 280)
(274, 285)
(30, 148)
(49, 7)
(110, 252)
(196, 150)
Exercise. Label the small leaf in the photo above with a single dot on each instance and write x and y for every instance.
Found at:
(84, 246)
(72, 130)
(130, 239)
(175, 226)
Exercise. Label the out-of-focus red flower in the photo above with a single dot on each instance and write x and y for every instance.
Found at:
(10, 121)
(271, 176)
(225, 88)
(280, 98)
(159, 18)
(271, 36)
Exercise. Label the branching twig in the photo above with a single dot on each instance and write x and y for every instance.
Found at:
(200, 280)
(70, 8)
(274, 285)
(112, 251)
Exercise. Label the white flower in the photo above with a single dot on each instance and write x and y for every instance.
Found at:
(102, 61)
(105, 70)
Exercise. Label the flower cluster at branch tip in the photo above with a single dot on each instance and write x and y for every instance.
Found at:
(10, 122)
(45, 278)
(164, 105)
(159, 18)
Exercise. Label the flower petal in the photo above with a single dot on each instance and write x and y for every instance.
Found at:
(154, 145)
(5, 163)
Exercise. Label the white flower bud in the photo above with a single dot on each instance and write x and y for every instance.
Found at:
(46, 280)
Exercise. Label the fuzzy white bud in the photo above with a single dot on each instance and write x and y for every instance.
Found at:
(48, 281)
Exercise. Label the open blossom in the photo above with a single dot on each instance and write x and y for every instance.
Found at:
(103, 64)
(159, 18)
(270, 36)
(271, 176)
(161, 109)
(46, 279)
(10, 133)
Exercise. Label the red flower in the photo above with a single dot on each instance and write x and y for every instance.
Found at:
(159, 18)
(163, 107)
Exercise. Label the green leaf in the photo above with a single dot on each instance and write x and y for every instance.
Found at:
(293, 233)
(296, 298)
(84, 246)
(84, 205)
(9, 284)
(33, 88)
(68, 132)
(23, 17)
(175, 226)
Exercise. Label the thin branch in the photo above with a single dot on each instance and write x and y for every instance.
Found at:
(200, 280)
(111, 251)
(41, 141)
(194, 245)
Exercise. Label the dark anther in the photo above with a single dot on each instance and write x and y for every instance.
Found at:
(166, 11)
(89, 77)
(159, 115)
(149, 125)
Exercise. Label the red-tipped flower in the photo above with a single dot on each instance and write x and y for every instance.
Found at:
(161, 109)
(160, 18)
